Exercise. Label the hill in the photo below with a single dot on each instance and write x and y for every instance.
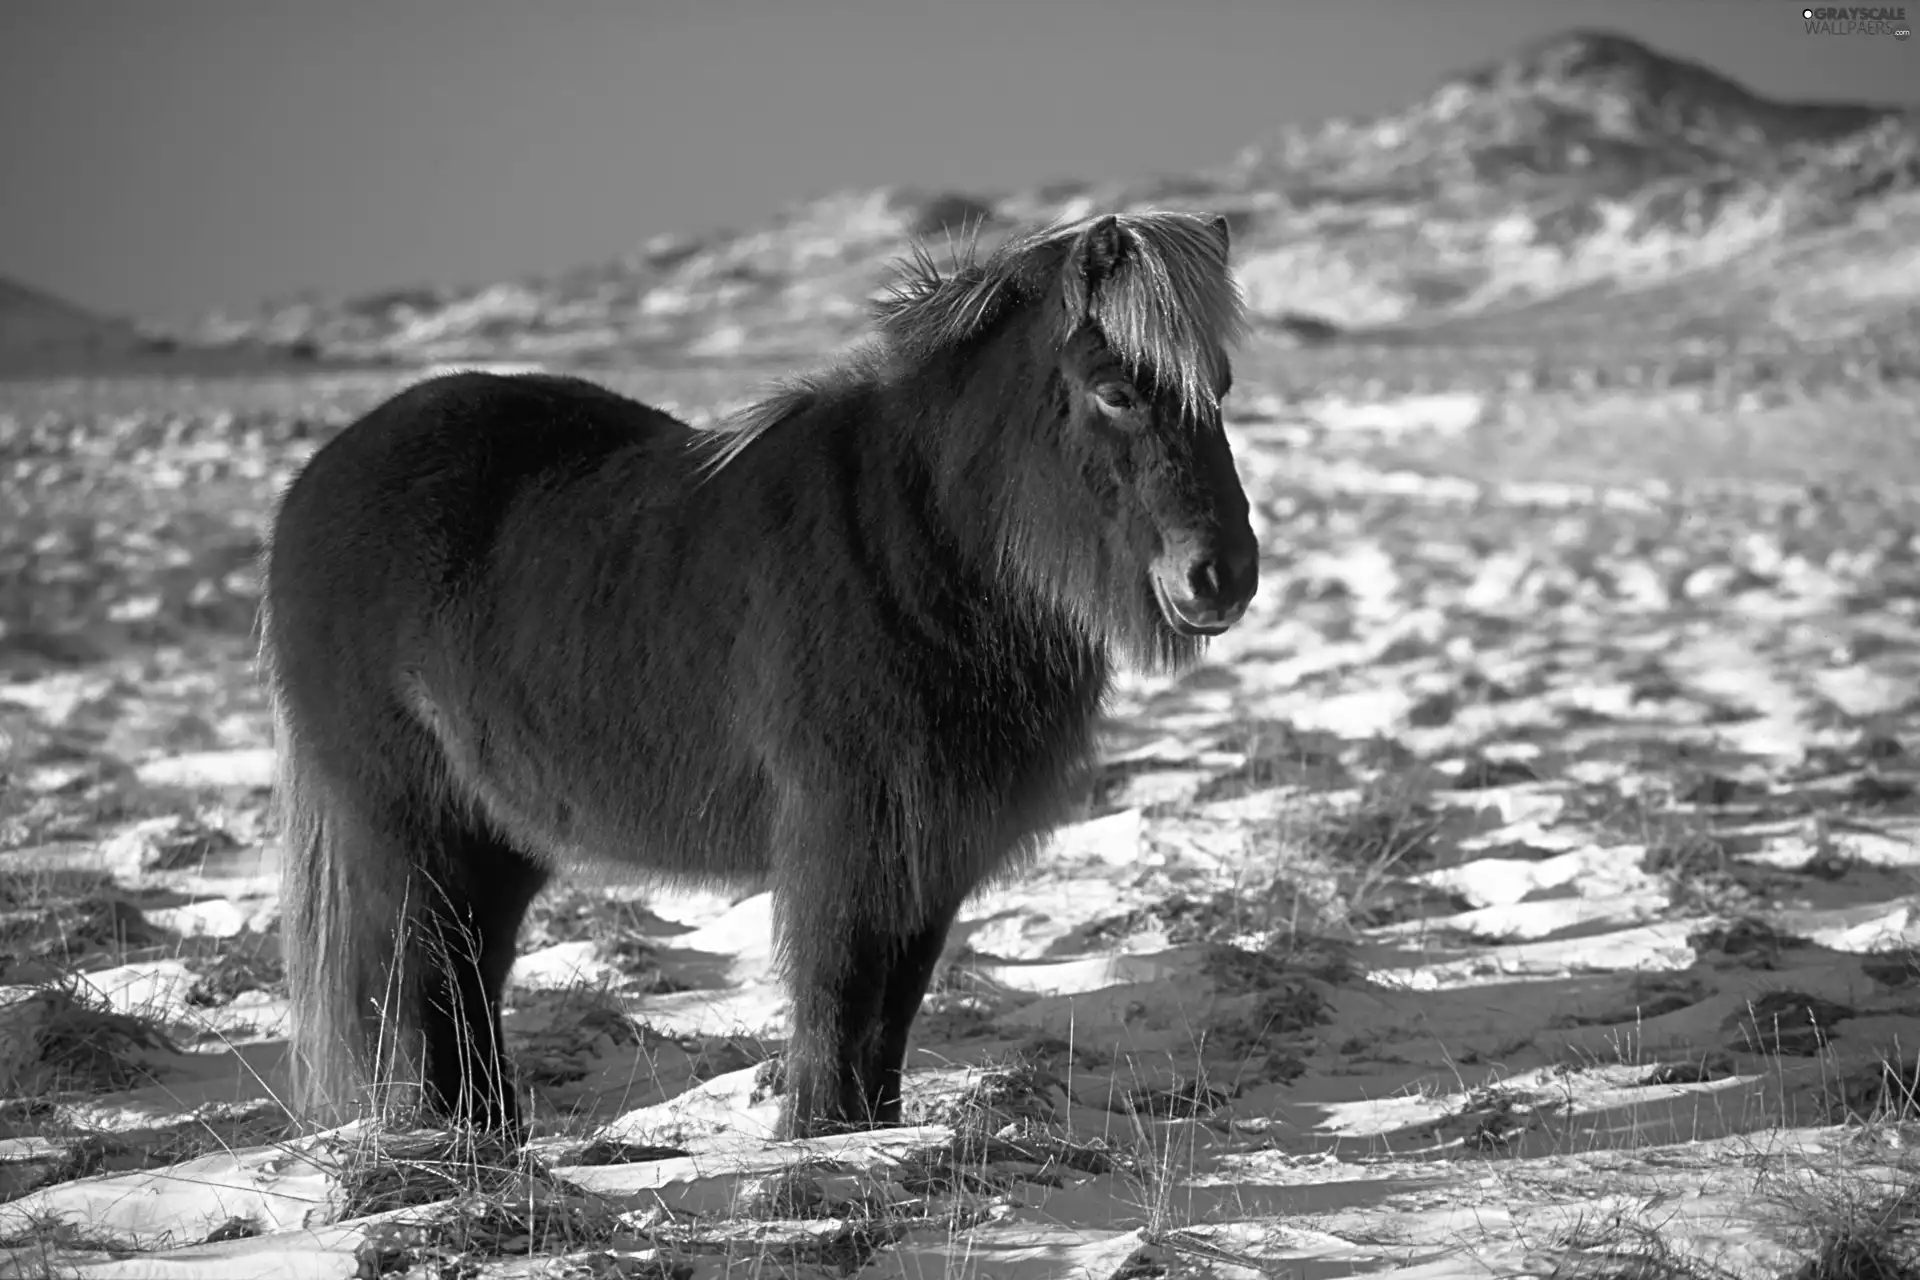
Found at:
(1535, 199)
(38, 328)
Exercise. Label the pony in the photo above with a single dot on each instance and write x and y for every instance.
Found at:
(848, 647)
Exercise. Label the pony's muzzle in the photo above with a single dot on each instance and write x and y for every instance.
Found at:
(1204, 585)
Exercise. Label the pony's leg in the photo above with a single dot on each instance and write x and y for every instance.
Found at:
(913, 961)
(483, 890)
(838, 986)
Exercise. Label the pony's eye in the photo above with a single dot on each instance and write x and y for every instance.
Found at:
(1116, 397)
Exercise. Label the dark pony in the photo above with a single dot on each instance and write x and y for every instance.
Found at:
(849, 647)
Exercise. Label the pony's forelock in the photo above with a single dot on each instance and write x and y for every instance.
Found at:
(1171, 308)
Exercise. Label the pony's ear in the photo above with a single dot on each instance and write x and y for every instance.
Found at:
(1100, 249)
(1221, 231)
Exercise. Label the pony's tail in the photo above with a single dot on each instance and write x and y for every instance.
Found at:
(344, 902)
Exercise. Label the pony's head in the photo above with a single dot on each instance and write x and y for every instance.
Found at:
(1117, 490)
(1150, 307)
(1065, 393)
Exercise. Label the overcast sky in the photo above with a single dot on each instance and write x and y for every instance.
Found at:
(159, 157)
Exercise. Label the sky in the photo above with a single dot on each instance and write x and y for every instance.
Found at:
(159, 158)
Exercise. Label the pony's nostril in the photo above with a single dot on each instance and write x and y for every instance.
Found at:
(1203, 580)
(1226, 575)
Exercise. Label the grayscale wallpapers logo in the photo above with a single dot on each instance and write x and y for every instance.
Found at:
(1858, 20)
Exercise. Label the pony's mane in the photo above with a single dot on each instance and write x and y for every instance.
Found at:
(1169, 309)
